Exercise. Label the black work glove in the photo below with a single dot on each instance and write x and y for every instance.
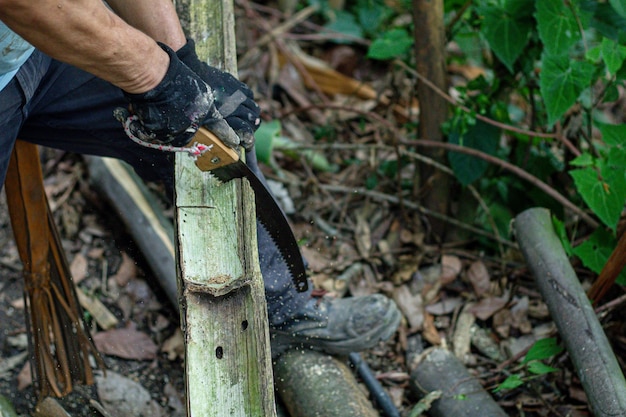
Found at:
(172, 112)
(233, 98)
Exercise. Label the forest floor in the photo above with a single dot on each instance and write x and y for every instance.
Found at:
(361, 232)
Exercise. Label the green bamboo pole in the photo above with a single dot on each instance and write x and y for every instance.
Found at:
(222, 299)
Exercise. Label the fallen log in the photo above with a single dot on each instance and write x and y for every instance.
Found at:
(462, 395)
(314, 384)
(572, 312)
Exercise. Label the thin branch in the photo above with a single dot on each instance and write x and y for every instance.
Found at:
(513, 169)
(376, 195)
(485, 119)
(456, 148)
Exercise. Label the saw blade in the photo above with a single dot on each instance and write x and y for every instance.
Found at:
(273, 220)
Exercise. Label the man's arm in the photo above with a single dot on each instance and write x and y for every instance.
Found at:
(86, 34)
(156, 18)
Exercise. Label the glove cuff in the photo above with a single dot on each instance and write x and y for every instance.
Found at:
(187, 50)
(172, 70)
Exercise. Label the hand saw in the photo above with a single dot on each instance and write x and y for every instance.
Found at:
(225, 164)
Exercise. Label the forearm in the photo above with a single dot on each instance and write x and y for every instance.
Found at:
(85, 33)
(156, 18)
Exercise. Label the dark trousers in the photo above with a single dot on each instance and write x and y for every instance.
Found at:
(59, 106)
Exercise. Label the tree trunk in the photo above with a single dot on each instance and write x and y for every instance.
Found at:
(430, 62)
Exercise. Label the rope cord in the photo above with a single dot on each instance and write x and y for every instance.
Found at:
(194, 151)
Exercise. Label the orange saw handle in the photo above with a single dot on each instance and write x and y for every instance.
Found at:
(219, 155)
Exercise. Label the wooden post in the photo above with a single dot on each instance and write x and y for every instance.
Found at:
(222, 297)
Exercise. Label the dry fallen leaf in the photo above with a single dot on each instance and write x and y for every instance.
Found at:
(25, 377)
(127, 343)
(50, 407)
(450, 268)
(487, 307)
(126, 271)
(316, 260)
(411, 306)
(461, 338)
(95, 253)
(18, 303)
(430, 332)
(478, 275)
(174, 346)
(446, 306)
(363, 236)
(78, 268)
(519, 315)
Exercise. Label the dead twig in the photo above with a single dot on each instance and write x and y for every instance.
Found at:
(402, 140)
(485, 119)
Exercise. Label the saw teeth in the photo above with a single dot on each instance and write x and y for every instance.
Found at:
(299, 279)
(272, 219)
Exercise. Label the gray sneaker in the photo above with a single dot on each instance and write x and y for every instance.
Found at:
(338, 326)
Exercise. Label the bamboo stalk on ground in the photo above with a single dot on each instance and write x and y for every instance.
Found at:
(572, 312)
(142, 215)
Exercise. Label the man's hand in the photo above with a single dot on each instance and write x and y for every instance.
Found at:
(233, 98)
(172, 112)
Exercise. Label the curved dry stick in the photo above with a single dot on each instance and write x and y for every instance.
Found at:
(377, 195)
(513, 169)
(473, 152)
(485, 119)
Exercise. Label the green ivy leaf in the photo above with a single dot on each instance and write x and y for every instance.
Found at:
(594, 54)
(561, 82)
(557, 26)
(543, 349)
(605, 202)
(613, 54)
(345, 23)
(513, 381)
(507, 29)
(540, 368)
(371, 15)
(391, 44)
(561, 232)
(619, 6)
(583, 160)
(613, 134)
(607, 22)
(480, 136)
(595, 251)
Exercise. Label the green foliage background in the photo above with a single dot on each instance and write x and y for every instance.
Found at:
(550, 66)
